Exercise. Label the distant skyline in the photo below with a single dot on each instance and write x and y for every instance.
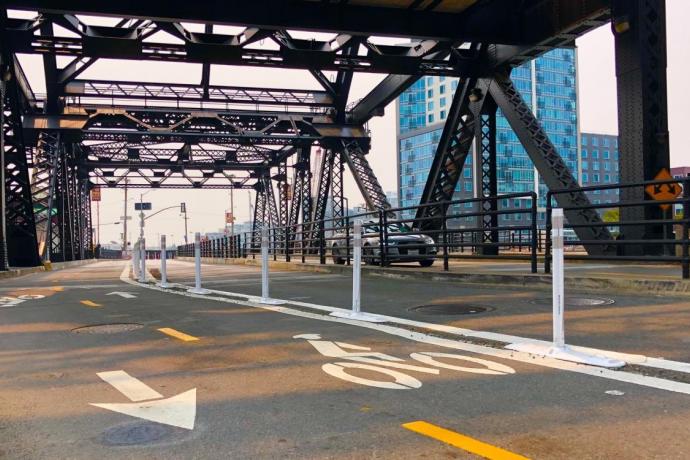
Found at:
(206, 208)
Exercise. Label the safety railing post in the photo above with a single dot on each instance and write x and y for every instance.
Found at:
(686, 217)
(444, 235)
(287, 243)
(197, 289)
(547, 243)
(164, 265)
(142, 260)
(274, 242)
(322, 244)
(383, 221)
(347, 241)
(535, 233)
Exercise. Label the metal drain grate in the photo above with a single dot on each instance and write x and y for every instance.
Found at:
(576, 301)
(136, 434)
(450, 309)
(113, 328)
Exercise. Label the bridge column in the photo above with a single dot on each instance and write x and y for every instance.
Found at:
(639, 28)
(486, 176)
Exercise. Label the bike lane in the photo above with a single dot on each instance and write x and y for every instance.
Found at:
(262, 390)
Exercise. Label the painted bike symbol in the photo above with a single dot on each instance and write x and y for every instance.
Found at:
(8, 301)
(365, 359)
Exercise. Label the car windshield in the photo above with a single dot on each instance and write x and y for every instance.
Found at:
(371, 227)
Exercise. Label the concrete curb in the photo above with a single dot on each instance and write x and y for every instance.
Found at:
(17, 272)
(533, 281)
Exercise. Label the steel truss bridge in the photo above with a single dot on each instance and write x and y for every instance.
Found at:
(84, 132)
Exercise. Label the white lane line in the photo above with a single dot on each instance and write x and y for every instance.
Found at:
(621, 376)
(133, 388)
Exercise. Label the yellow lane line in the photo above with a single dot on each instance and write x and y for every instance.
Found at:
(463, 442)
(89, 303)
(178, 335)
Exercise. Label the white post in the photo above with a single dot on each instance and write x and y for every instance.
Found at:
(264, 270)
(356, 312)
(164, 268)
(559, 350)
(135, 259)
(558, 284)
(197, 289)
(142, 260)
(357, 267)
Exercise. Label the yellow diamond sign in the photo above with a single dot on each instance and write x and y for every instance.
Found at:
(664, 192)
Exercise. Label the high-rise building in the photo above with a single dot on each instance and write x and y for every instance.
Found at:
(599, 166)
(548, 85)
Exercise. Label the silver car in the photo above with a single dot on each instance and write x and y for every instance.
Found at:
(401, 246)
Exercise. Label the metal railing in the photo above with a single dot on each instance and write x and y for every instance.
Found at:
(661, 239)
(394, 236)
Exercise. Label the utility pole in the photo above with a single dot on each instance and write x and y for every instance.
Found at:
(232, 213)
(184, 211)
(124, 224)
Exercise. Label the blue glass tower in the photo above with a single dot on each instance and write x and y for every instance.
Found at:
(548, 85)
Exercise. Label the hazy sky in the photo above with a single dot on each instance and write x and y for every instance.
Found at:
(597, 93)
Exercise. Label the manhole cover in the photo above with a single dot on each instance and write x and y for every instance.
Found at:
(577, 301)
(113, 328)
(137, 434)
(450, 309)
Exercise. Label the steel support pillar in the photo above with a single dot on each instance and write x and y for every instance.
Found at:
(452, 150)
(639, 28)
(18, 243)
(364, 176)
(552, 169)
(337, 195)
(485, 172)
(44, 180)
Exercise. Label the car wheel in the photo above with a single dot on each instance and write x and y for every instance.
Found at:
(336, 255)
(426, 263)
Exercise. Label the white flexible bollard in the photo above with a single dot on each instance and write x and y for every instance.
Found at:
(356, 312)
(197, 289)
(558, 349)
(164, 265)
(135, 260)
(142, 260)
(265, 298)
(558, 278)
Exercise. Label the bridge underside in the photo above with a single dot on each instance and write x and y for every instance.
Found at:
(84, 132)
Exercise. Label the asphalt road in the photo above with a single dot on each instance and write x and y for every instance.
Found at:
(262, 393)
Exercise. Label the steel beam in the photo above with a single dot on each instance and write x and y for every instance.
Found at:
(364, 176)
(486, 173)
(639, 28)
(549, 164)
(451, 153)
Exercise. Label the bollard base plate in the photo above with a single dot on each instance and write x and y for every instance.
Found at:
(200, 291)
(359, 316)
(270, 301)
(565, 353)
(163, 285)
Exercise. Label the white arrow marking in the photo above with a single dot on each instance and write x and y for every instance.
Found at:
(126, 295)
(133, 388)
(179, 410)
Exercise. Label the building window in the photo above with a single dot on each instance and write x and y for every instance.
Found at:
(585, 178)
(595, 178)
(454, 85)
(443, 114)
(431, 118)
(607, 155)
(584, 140)
(585, 165)
(468, 186)
(595, 165)
(442, 89)
(584, 153)
(606, 142)
(430, 105)
(595, 141)
(467, 173)
(595, 154)
(442, 101)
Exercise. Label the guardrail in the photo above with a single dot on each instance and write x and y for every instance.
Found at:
(663, 239)
(389, 236)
